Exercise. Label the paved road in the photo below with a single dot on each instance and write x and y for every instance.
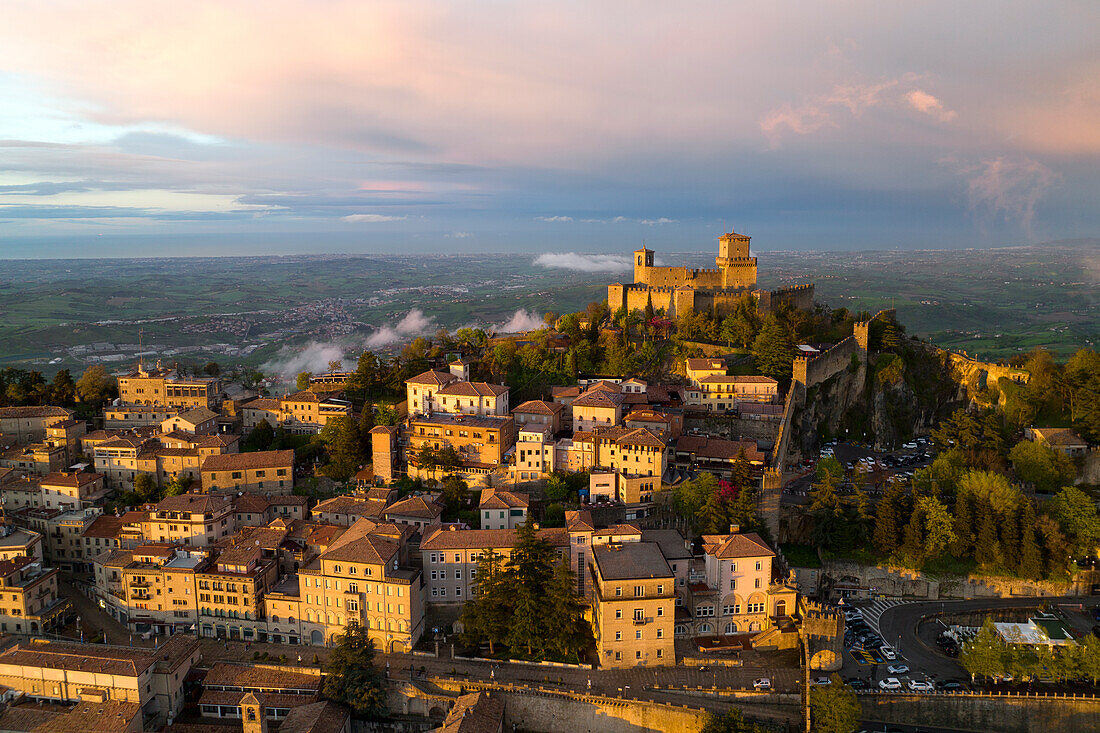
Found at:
(901, 622)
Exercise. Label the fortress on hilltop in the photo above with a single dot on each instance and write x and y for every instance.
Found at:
(678, 290)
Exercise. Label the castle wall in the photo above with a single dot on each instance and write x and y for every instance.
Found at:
(799, 296)
(672, 277)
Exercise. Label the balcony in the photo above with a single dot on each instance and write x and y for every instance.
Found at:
(642, 620)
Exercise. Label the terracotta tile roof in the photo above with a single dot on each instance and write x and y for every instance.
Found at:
(7, 567)
(1059, 436)
(473, 389)
(619, 530)
(266, 699)
(196, 416)
(579, 520)
(704, 446)
(262, 403)
(415, 506)
(72, 479)
(698, 364)
(476, 712)
(110, 716)
(647, 416)
(359, 544)
(105, 525)
(249, 461)
(672, 543)
(539, 407)
(597, 397)
(440, 538)
(631, 561)
(249, 675)
(318, 717)
(34, 411)
(358, 505)
(731, 546)
(432, 378)
(565, 392)
(379, 429)
(497, 499)
(194, 503)
(79, 657)
(491, 422)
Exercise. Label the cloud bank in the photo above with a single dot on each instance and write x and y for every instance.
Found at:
(313, 357)
(585, 262)
(520, 321)
(415, 323)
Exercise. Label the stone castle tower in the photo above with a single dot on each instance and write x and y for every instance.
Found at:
(676, 290)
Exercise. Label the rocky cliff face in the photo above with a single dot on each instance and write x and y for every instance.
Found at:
(885, 403)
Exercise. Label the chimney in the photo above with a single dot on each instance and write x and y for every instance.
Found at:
(735, 528)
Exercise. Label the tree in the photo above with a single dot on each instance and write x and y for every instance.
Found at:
(1055, 547)
(772, 350)
(888, 519)
(63, 388)
(350, 675)
(302, 382)
(145, 487)
(1046, 468)
(486, 615)
(1031, 559)
(178, 485)
(95, 386)
(939, 532)
(834, 708)
(1076, 514)
(335, 365)
(529, 568)
(456, 493)
(984, 655)
(261, 438)
(387, 415)
(731, 721)
(340, 436)
(569, 633)
(211, 369)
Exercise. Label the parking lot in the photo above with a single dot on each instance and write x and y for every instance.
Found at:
(873, 469)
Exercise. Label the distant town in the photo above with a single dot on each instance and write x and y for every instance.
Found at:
(696, 503)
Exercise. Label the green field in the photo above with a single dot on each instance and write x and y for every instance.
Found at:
(993, 302)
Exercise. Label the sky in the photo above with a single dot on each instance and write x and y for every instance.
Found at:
(329, 126)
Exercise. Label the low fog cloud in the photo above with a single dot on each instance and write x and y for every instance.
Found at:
(414, 323)
(584, 262)
(313, 357)
(521, 320)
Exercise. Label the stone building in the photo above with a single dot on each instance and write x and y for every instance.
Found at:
(679, 290)
(634, 605)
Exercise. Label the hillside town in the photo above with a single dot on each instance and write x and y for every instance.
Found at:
(692, 492)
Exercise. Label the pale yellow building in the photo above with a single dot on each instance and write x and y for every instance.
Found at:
(29, 599)
(199, 520)
(634, 605)
(720, 393)
(601, 405)
(266, 471)
(28, 424)
(167, 387)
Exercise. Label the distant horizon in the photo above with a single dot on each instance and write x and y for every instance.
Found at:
(143, 241)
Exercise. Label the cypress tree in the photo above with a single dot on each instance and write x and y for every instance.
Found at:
(1031, 561)
(963, 545)
(985, 545)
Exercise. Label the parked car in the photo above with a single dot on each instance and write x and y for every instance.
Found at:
(888, 652)
(762, 683)
(822, 681)
(857, 683)
(920, 686)
(898, 669)
(890, 683)
(951, 685)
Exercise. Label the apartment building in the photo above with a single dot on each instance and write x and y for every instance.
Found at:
(199, 520)
(698, 369)
(63, 534)
(29, 424)
(736, 593)
(634, 605)
(363, 576)
(124, 416)
(719, 393)
(481, 441)
(29, 601)
(103, 534)
(501, 509)
(449, 557)
(584, 535)
(17, 542)
(259, 510)
(66, 435)
(539, 415)
(66, 672)
(230, 591)
(307, 412)
(269, 471)
(630, 451)
(167, 387)
(346, 510)
(420, 511)
(698, 453)
(471, 398)
(536, 453)
(73, 489)
(196, 421)
(601, 405)
(420, 390)
(33, 458)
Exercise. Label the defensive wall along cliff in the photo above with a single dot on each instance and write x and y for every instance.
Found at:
(983, 712)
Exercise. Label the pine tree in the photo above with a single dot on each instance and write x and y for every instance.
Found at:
(569, 632)
(350, 675)
(486, 616)
(1031, 560)
(529, 567)
(772, 350)
(1010, 538)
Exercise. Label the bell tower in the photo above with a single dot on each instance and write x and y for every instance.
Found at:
(732, 246)
(736, 267)
(643, 258)
(252, 712)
